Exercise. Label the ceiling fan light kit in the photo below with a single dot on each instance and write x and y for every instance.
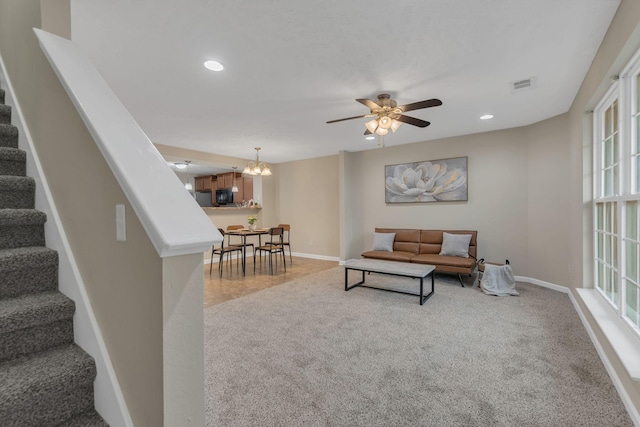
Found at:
(389, 116)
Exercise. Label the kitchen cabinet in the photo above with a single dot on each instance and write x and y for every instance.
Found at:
(245, 189)
(225, 180)
(203, 183)
(198, 183)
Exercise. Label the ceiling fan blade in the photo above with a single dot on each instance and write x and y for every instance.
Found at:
(413, 121)
(369, 103)
(348, 118)
(419, 105)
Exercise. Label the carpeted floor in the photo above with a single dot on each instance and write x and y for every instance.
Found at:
(307, 353)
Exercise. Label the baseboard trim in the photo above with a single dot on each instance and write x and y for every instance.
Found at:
(543, 284)
(207, 259)
(622, 392)
(108, 398)
(314, 256)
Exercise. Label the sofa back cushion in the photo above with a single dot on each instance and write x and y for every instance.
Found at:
(431, 241)
(407, 240)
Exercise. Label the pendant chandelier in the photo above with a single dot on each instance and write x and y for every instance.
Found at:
(234, 188)
(257, 167)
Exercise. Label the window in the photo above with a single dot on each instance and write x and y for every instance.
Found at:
(617, 196)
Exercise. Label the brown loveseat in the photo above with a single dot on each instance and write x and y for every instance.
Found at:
(423, 247)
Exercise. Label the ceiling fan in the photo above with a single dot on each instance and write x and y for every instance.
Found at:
(388, 115)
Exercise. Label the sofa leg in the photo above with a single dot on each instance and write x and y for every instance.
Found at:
(460, 279)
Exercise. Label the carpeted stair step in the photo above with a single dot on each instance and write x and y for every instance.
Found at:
(13, 161)
(35, 322)
(17, 192)
(5, 114)
(8, 136)
(46, 388)
(21, 228)
(27, 270)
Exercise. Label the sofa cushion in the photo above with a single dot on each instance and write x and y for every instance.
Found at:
(431, 241)
(435, 259)
(407, 240)
(390, 256)
(383, 241)
(455, 245)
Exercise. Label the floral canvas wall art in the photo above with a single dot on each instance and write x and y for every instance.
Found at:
(443, 180)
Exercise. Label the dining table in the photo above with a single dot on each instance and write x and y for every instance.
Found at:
(244, 233)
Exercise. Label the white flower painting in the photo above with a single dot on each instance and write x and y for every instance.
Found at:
(429, 181)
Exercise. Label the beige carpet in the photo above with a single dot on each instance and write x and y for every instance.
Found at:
(307, 353)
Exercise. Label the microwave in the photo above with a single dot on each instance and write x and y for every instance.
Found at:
(224, 197)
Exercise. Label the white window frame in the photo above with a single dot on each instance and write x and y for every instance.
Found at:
(625, 91)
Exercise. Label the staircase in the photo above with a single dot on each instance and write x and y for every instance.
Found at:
(45, 379)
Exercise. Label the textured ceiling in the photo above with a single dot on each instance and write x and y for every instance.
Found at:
(290, 66)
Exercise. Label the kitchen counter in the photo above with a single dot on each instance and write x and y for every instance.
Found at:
(229, 208)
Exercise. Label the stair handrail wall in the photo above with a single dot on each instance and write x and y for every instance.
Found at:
(176, 226)
(174, 222)
(109, 401)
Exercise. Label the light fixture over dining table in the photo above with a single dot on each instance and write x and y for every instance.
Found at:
(257, 167)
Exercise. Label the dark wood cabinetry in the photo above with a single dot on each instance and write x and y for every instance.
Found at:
(225, 180)
(245, 189)
(211, 183)
(203, 183)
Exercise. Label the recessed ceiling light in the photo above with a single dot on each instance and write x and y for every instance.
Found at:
(370, 137)
(486, 117)
(214, 65)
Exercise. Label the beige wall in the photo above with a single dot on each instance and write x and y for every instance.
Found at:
(547, 202)
(498, 194)
(123, 280)
(308, 200)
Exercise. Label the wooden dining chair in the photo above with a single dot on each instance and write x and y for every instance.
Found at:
(286, 239)
(239, 243)
(221, 251)
(273, 246)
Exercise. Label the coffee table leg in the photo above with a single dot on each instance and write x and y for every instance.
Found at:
(424, 298)
(346, 280)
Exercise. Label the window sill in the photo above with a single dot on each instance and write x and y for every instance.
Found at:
(623, 340)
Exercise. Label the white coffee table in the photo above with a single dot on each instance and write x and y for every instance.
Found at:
(403, 269)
